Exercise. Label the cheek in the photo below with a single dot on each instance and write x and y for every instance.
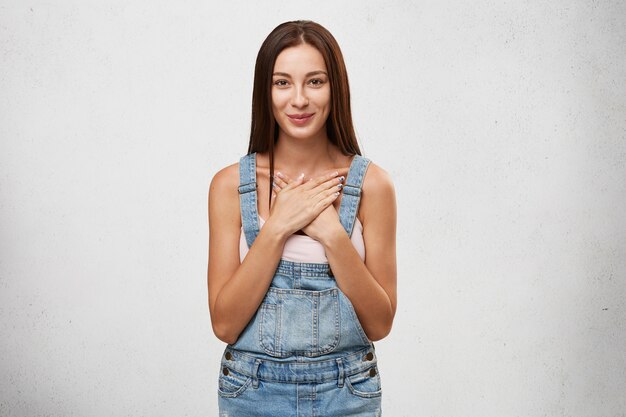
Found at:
(327, 109)
(325, 97)
(278, 99)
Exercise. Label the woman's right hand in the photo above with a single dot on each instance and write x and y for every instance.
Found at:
(299, 202)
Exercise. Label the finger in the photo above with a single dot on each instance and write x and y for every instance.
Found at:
(342, 171)
(294, 183)
(282, 177)
(279, 182)
(328, 197)
(334, 184)
(320, 180)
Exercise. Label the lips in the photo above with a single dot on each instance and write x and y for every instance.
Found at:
(300, 119)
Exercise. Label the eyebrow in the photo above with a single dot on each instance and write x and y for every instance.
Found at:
(308, 74)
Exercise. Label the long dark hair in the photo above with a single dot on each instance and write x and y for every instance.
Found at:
(339, 128)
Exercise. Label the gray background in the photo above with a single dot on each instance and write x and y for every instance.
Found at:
(502, 124)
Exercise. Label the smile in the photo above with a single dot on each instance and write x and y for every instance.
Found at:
(300, 119)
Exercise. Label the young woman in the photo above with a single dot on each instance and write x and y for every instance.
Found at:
(291, 290)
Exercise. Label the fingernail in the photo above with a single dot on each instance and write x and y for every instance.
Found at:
(342, 178)
(340, 185)
(279, 174)
(334, 174)
(301, 176)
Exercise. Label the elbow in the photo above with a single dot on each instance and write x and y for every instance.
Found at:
(224, 333)
(378, 334)
(380, 330)
(222, 329)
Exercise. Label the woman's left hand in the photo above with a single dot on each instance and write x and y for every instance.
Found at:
(325, 224)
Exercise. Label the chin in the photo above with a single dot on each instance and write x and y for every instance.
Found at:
(299, 135)
(302, 133)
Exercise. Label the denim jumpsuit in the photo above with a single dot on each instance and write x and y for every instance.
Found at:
(304, 352)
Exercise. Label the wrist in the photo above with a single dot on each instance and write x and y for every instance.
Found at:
(277, 230)
(333, 238)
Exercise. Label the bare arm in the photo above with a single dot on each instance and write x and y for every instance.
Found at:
(370, 285)
(235, 290)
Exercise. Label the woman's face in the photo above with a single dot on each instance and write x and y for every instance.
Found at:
(300, 92)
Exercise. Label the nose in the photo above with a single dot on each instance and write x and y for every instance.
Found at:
(299, 98)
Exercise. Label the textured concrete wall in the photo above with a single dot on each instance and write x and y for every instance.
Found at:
(503, 125)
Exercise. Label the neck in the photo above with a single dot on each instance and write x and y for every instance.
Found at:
(310, 156)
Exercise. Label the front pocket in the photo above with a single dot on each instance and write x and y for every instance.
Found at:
(365, 384)
(232, 383)
(299, 322)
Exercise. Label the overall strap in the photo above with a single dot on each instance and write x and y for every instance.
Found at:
(248, 197)
(352, 192)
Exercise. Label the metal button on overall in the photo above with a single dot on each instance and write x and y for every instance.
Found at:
(368, 357)
(228, 356)
(225, 371)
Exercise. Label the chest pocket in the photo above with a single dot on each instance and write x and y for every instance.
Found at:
(299, 322)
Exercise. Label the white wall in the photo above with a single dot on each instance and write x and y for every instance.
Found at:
(503, 125)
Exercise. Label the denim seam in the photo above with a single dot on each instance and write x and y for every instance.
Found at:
(363, 394)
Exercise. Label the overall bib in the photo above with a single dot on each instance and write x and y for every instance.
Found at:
(304, 352)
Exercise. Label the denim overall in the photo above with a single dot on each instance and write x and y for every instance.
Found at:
(304, 352)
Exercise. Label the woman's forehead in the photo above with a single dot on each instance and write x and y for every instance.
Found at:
(298, 60)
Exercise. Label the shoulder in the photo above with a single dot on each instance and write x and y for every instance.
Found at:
(224, 195)
(225, 179)
(378, 199)
(377, 182)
